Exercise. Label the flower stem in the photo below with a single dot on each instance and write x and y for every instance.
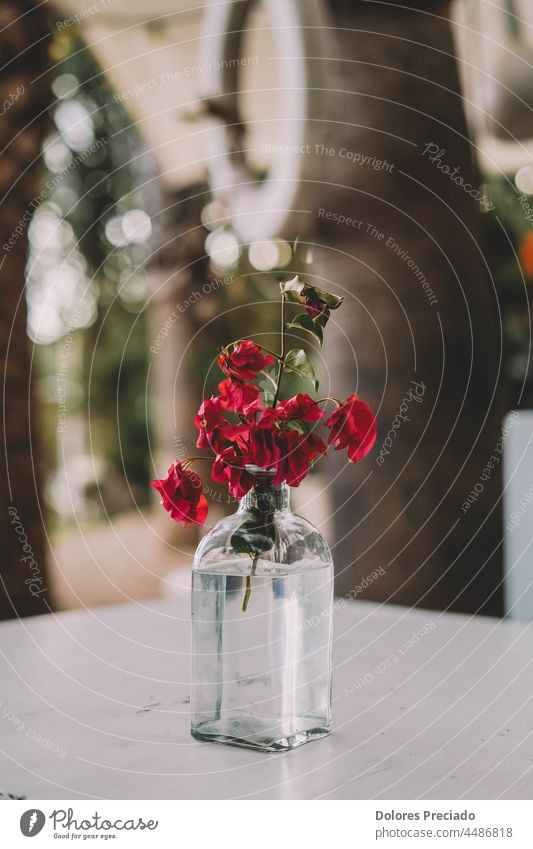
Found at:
(329, 398)
(277, 356)
(189, 460)
(248, 585)
(281, 357)
(268, 377)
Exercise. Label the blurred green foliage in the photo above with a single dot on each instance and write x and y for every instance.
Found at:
(105, 192)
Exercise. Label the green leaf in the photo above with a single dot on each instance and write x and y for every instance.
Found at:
(297, 361)
(255, 536)
(298, 426)
(292, 289)
(292, 285)
(303, 321)
(332, 301)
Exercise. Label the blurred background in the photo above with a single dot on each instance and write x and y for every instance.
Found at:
(162, 167)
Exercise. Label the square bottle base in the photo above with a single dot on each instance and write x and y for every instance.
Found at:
(251, 733)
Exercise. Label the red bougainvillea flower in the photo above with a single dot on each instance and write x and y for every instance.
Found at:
(235, 396)
(244, 361)
(215, 430)
(526, 254)
(259, 415)
(182, 496)
(210, 422)
(307, 448)
(229, 467)
(352, 426)
(264, 448)
(298, 453)
(301, 407)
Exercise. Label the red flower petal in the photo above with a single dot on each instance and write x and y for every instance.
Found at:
(244, 361)
(352, 426)
(301, 407)
(182, 496)
(210, 421)
(229, 467)
(235, 396)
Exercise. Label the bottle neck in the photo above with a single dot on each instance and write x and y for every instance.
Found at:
(265, 497)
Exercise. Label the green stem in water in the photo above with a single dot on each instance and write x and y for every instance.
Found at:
(248, 586)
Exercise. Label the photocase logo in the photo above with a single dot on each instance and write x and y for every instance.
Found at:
(32, 822)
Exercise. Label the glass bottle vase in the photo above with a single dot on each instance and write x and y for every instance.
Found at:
(262, 592)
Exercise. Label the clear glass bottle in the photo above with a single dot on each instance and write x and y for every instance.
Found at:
(262, 626)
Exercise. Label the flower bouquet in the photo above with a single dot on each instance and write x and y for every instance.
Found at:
(265, 682)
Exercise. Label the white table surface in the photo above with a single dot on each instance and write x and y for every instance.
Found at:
(448, 716)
